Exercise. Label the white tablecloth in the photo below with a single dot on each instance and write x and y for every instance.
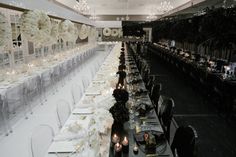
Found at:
(91, 116)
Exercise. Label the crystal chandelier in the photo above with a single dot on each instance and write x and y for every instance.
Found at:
(82, 6)
(165, 6)
(152, 16)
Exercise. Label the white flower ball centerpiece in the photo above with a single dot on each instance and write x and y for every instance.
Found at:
(67, 31)
(107, 32)
(36, 26)
(115, 32)
(84, 32)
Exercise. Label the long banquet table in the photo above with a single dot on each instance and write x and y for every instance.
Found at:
(208, 80)
(87, 131)
(137, 123)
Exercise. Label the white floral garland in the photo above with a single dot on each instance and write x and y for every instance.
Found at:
(67, 31)
(83, 32)
(107, 32)
(5, 32)
(114, 32)
(36, 26)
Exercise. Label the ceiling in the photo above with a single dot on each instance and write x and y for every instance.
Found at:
(124, 7)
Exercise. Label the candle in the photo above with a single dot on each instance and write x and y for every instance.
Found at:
(115, 139)
(125, 144)
(118, 148)
(135, 149)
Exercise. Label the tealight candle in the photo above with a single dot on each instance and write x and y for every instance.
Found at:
(118, 148)
(115, 139)
(125, 144)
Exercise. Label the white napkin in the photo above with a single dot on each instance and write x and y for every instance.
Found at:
(70, 136)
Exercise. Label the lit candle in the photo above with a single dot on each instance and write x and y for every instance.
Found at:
(118, 148)
(125, 144)
(115, 139)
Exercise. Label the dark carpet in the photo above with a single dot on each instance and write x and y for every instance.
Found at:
(216, 136)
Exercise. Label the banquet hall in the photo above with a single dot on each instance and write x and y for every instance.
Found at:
(117, 78)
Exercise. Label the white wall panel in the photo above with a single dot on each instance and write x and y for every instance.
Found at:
(110, 24)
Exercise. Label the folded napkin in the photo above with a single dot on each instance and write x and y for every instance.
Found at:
(67, 136)
(79, 110)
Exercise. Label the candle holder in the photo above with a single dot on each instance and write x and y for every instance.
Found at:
(118, 150)
(115, 139)
(135, 149)
(125, 145)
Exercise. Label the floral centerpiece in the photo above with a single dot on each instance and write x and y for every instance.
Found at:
(119, 113)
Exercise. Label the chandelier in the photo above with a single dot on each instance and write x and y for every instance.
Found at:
(82, 6)
(165, 6)
(152, 16)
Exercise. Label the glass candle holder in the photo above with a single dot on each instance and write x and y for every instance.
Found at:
(125, 145)
(115, 139)
(118, 150)
(135, 149)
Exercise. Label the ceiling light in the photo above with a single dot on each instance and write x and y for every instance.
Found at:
(165, 6)
(82, 6)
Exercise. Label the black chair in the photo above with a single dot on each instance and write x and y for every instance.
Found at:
(184, 142)
(155, 92)
(165, 115)
(150, 83)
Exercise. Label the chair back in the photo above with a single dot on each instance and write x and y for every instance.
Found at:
(63, 111)
(155, 92)
(76, 92)
(184, 141)
(41, 139)
(166, 114)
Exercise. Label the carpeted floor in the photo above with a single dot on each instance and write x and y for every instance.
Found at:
(217, 137)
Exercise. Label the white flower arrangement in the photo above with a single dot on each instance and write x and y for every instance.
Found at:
(36, 27)
(107, 32)
(83, 33)
(54, 33)
(5, 32)
(114, 32)
(120, 33)
(67, 31)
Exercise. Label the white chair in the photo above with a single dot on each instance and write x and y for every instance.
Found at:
(63, 111)
(4, 117)
(85, 82)
(41, 139)
(76, 92)
(45, 83)
(15, 101)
